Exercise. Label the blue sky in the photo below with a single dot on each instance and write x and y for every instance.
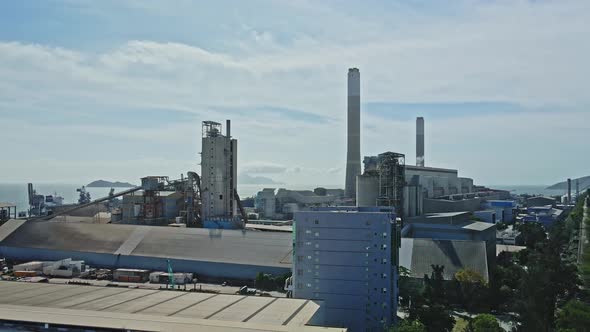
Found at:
(117, 89)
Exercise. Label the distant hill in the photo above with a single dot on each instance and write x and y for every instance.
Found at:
(584, 183)
(108, 184)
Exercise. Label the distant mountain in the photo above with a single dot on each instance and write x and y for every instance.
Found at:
(108, 184)
(584, 183)
(249, 179)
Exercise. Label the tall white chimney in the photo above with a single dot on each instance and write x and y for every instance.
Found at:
(353, 155)
(420, 141)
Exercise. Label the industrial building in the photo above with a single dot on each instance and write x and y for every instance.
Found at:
(72, 307)
(282, 203)
(503, 209)
(219, 165)
(348, 258)
(210, 253)
(540, 201)
(419, 254)
(453, 226)
(545, 215)
(164, 208)
(353, 152)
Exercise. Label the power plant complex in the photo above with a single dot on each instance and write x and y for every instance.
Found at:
(335, 254)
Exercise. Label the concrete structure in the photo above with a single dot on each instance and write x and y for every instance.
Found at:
(72, 307)
(265, 203)
(348, 258)
(420, 142)
(210, 253)
(353, 154)
(219, 176)
(418, 256)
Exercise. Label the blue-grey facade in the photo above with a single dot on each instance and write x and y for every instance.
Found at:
(349, 260)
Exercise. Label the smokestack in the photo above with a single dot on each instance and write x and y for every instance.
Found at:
(569, 191)
(228, 128)
(353, 155)
(420, 141)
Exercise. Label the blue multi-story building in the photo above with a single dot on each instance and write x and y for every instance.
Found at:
(503, 209)
(348, 257)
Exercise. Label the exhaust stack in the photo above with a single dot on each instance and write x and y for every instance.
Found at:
(420, 141)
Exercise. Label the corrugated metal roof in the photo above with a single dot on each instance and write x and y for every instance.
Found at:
(200, 244)
(152, 310)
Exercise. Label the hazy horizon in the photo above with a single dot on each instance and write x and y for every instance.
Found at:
(117, 90)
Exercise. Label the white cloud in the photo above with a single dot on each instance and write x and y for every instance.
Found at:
(531, 53)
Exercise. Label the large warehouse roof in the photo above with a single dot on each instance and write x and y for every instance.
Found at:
(209, 245)
(153, 310)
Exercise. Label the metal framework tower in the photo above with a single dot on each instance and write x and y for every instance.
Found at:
(392, 170)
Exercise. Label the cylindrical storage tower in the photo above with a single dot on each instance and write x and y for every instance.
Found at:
(367, 190)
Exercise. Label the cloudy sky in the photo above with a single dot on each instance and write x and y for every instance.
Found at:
(117, 89)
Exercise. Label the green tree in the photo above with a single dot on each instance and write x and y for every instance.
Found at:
(409, 326)
(431, 307)
(472, 289)
(532, 233)
(484, 323)
(574, 316)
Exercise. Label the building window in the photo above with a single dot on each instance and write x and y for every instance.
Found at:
(384, 261)
(307, 231)
(383, 246)
(383, 290)
(383, 275)
(308, 285)
(299, 285)
(299, 272)
(317, 222)
(384, 234)
(308, 257)
(300, 258)
(317, 233)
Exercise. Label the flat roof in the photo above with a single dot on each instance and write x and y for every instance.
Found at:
(479, 226)
(6, 205)
(152, 310)
(200, 244)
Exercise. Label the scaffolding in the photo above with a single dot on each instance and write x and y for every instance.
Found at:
(391, 167)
